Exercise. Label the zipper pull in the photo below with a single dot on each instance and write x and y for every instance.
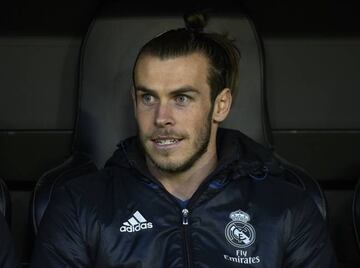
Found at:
(185, 216)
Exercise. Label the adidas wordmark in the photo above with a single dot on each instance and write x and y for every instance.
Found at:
(136, 223)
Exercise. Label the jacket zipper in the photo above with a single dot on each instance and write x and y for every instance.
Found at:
(185, 221)
(185, 216)
(185, 225)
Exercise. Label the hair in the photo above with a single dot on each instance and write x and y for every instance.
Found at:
(222, 54)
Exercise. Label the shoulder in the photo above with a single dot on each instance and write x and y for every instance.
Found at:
(278, 191)
(98, 184)
(90, 190)
(292, 205)
(266, 175)
(274, 196)
(87, 198)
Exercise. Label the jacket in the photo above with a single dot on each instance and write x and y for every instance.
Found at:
(244, 214)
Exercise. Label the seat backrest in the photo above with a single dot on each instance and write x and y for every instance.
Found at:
(356, 213)
(77, 165)
(109, 51)
(300, 177)
(5, 202)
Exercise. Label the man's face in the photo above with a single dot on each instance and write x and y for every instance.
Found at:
(173, 110)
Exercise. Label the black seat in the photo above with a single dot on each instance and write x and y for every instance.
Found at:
(5, 202)
(78, 164)
(105, 114)
(356, 213)
(299, 176)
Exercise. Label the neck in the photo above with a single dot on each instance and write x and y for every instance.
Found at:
(184, 184)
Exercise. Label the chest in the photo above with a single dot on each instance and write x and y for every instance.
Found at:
(222, 231)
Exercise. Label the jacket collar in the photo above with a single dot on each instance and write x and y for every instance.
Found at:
(238, 156)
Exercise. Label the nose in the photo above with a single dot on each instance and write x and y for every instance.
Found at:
(164, 115)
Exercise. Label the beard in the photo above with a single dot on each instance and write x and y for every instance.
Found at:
(200, 147)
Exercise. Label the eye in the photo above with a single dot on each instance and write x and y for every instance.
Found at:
(182, 99)
(148, 99)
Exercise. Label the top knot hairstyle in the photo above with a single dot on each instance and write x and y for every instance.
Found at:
(221, 52)
(195, 22)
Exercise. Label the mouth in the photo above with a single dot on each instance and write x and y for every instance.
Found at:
(166, 141)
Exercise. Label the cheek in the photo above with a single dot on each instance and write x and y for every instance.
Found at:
(143, 119)
(192, 113)
(193, 122)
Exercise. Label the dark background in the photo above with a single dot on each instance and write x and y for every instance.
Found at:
(312, 53)
(276, 17)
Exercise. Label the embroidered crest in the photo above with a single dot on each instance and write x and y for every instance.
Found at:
(239, 232)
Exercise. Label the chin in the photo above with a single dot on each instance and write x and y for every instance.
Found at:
(167, 165)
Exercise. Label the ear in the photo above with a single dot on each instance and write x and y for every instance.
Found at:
(133, 97)
(222, 105)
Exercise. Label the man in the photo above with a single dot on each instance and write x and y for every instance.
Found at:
(184, 193)
(7, 248)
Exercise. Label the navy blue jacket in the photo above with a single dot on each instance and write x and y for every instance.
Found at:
(245, 214)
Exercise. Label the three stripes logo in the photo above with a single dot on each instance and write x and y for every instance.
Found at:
(136, 223)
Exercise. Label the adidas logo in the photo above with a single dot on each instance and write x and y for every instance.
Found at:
(136, 223)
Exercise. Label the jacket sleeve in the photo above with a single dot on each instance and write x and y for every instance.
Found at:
(309, 244)
(7, 249)
(60, 241)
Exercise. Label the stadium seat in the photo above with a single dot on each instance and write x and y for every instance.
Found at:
(5, 202)
(356, 213)
(78, 164)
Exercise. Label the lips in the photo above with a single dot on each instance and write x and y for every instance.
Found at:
(166, 141)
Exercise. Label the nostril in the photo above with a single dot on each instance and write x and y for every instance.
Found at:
(163, 116)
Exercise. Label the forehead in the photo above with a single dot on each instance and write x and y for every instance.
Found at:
(171, 73)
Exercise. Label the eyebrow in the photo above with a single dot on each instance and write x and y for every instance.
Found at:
(182, 90)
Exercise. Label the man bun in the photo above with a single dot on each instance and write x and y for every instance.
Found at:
(195, 22)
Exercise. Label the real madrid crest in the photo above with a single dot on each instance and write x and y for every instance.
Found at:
(239, 232)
